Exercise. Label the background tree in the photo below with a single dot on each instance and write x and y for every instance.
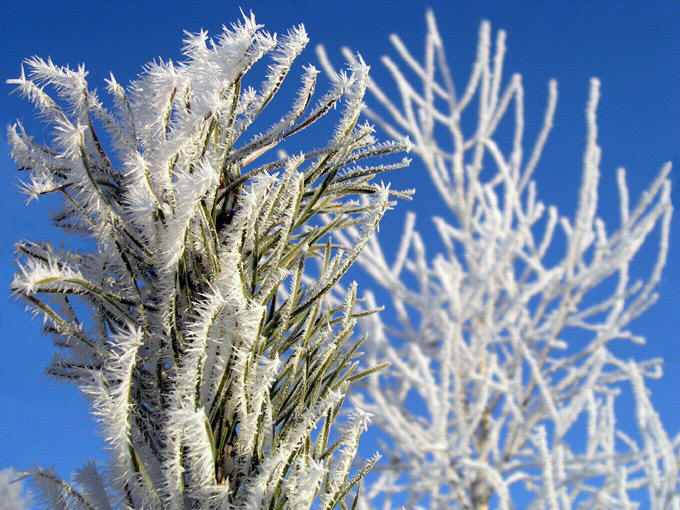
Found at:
(207, 388)
(504, 372)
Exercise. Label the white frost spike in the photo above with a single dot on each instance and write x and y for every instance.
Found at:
(255, 389)
(189, 190)
(304, 483)
(51, 490)
(349, 443)
(271, 468)
(93, 485)
(200, 462)
(37, 276)
(110, 394)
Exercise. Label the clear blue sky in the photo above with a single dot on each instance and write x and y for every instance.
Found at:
(632, 47)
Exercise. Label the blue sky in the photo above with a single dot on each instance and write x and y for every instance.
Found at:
(633, 48)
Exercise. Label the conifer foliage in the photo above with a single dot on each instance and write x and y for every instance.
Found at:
(215, 369)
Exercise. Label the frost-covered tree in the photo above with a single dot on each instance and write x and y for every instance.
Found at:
(212, 390)
(504, 380)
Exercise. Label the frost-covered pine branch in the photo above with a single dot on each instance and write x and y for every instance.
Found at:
(503, 379)
(211, 390)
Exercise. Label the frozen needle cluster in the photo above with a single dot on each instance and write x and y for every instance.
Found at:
(210, 391)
